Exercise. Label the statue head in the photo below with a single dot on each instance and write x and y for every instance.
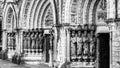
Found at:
(79, 33)
(73, 33)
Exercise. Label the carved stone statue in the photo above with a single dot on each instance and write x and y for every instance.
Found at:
(40, 42)
(73, 44)
(28, 46)
(85, 50)
(24, 40)
(92, 49)
(14, 40)
(9, 40)
(36, 40)
(79, 43)
(33, 40)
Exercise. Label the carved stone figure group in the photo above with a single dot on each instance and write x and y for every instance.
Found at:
(83, 45)
(33, 40)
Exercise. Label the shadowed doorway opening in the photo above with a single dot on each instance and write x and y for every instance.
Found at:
(104, 50)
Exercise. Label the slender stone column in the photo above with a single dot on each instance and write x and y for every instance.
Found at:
(55, 44)
(21, 41)
(4, 40)
(68, 46)
(51, 50)
(18, 41)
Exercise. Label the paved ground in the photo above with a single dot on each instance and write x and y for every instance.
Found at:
(8, 64)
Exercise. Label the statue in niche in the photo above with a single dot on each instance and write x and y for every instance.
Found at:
(73, 44)
(85, 50)
(9, 40)
(92, 45)
(33, 40)
(79, 44)
(28, 46)
(24, 40)
(36, 40)
(40, 41)
(85, 46)
(14, 40)
(92, 51)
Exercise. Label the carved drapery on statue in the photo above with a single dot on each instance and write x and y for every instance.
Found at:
(83, 44)
(11, 41)
(32, 41)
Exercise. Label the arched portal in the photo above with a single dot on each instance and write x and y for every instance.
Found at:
(9, 26)
(37, 18)
(85, 18)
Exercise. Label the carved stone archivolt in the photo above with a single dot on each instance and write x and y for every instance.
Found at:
(83, 11)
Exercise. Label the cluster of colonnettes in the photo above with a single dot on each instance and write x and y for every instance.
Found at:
(83, 44)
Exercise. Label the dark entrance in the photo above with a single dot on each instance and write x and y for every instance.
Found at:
(104, 53)
(46, 47)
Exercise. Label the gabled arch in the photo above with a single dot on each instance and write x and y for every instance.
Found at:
(5, 15)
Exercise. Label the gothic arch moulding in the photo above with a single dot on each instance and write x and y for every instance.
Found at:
(32, 12)
(80, 11)
(9, 17)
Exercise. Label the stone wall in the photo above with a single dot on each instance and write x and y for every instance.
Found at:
(115, 47)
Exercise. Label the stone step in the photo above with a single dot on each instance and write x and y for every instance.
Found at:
(32, 59)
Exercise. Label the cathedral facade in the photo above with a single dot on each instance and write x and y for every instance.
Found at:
(69, 33)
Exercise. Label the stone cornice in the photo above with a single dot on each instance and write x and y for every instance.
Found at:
(113, 20)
